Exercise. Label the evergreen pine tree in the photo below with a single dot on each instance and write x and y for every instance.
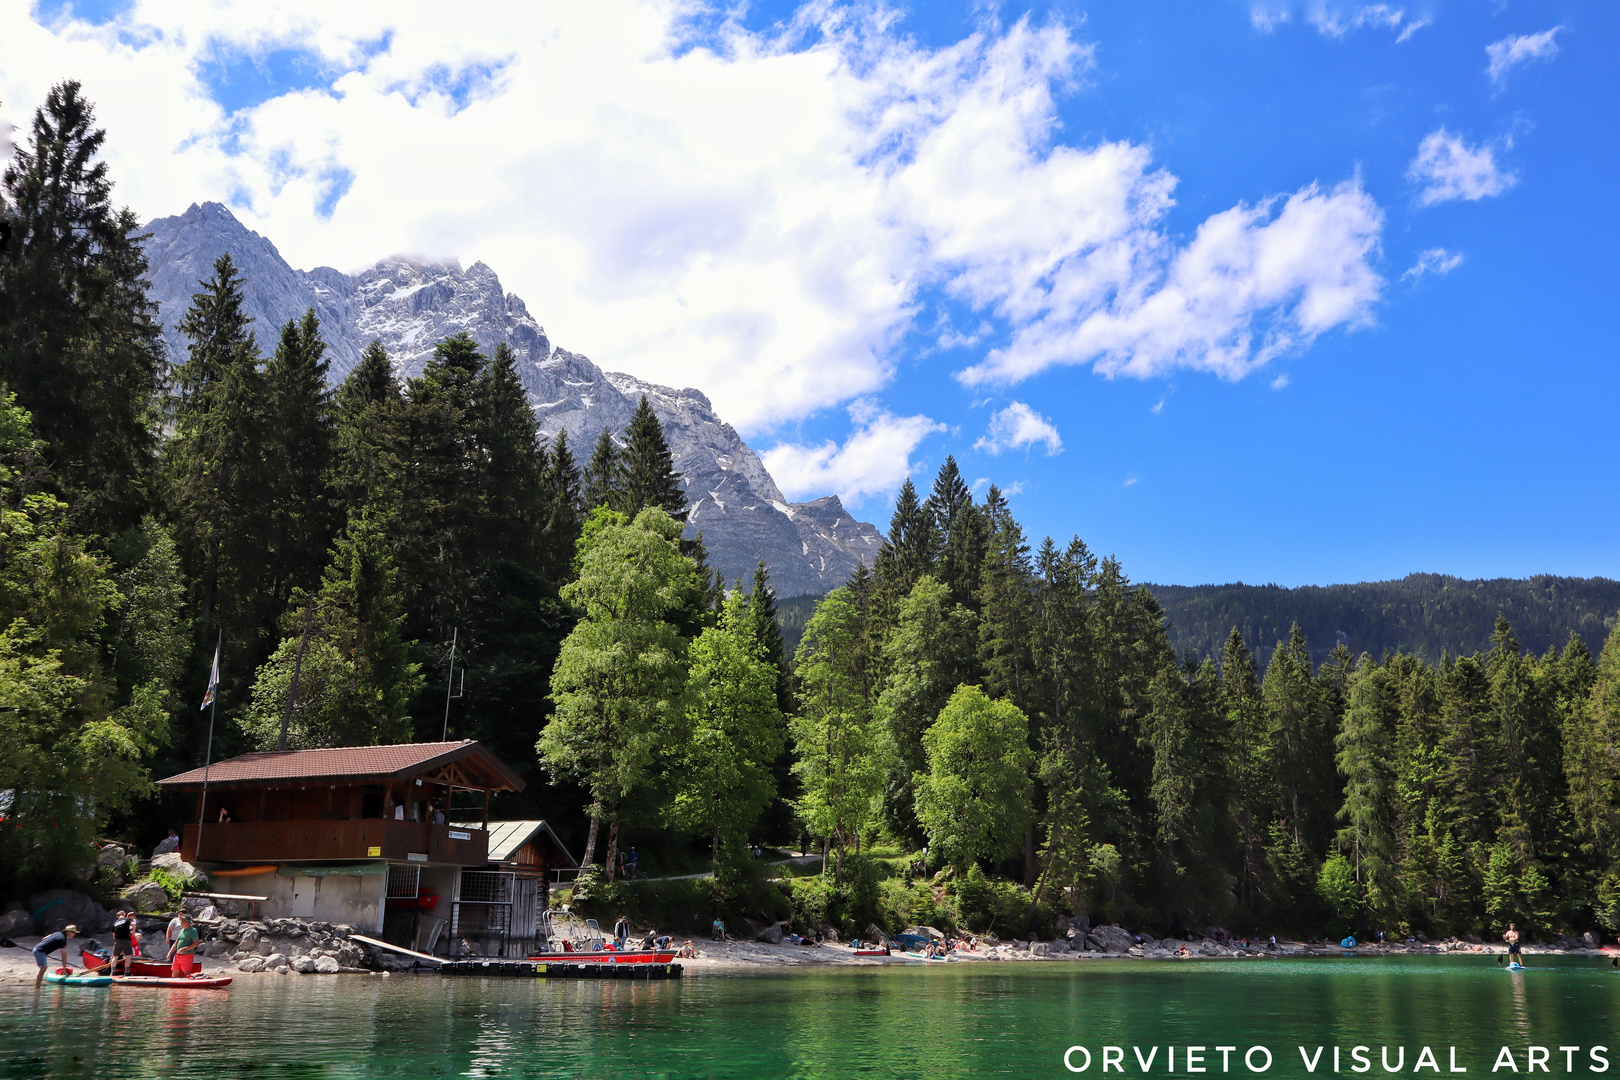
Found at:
(509, 464)
(602, 482)
(1245, 753)
(961, 531)
(560, 494)
(79, 340)
(219, 496)
(912, 544)
(1005, 605)
(299, 445)
(370, 436)
(647, 475)
(1365, 762)
(443, 512)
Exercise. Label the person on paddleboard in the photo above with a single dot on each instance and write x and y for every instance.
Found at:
(1512, 939)
(49, 943)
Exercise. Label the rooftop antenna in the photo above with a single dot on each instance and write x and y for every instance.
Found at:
(450, 684)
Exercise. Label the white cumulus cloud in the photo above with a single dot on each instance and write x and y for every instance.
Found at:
(1016, 427)
(874, 460)
(1514, 50)
(760, 214)
(1437, 261)
(1254, 281)
(1448, 168)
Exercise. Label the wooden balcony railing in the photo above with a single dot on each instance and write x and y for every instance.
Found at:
(323, 841)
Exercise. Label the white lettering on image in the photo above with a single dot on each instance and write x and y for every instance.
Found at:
(1192, 1057)
(1359, 1054)
(1310, 1060)
(1115, 1056)
(1248, 1059)
(1068, 1059)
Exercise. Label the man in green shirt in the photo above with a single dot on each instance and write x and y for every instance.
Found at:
(183, 955)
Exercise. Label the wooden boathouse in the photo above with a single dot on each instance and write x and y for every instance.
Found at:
(374, 836)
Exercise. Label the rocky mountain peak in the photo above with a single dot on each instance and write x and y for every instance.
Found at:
(411, 305)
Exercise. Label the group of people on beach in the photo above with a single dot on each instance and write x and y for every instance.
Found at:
(181, 941)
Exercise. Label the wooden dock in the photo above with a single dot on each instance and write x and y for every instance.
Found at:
(551, 969)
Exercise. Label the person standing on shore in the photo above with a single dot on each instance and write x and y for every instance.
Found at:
(1512, 939)
(46, 944)
(183, 954)
(124, 935)
(621, 931)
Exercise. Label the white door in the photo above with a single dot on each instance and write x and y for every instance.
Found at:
(303, 898)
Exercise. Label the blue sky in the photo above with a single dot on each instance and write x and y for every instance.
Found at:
(879, 236)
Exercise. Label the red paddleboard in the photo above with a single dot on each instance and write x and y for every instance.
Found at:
(869, 952)
(201, 982)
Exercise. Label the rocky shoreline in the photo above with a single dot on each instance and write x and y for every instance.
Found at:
(252, 947)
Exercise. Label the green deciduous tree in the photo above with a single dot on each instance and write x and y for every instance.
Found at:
(621, 676)
(931, 652)
(834, 739)
(734, 733)
(74, 746)
(973, 800)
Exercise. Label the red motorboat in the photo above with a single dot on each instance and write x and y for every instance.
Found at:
(575, 942)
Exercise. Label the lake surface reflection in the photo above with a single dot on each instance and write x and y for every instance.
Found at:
(957, 1020)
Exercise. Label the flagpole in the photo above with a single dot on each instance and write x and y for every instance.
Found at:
(208, 759)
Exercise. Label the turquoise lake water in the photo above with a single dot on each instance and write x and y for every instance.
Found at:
(958, 1020)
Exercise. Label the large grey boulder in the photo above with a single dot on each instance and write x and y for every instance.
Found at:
(874, 932)
(304, 965)
(252, 963)
(326, 965)
(145, 896)
(112, 860)
(771, 935)
(172, 863)
(16, 923)
(57, 908)
(1111, 939)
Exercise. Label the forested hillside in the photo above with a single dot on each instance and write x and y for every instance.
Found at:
(1426, 615)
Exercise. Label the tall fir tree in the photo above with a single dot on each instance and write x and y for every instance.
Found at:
(647, 475)
(369, 436)
(79, 340)
(1366, 761)
(1245, 753)
(219, 493)
(300, 438)
(962, 533)
(602, 485)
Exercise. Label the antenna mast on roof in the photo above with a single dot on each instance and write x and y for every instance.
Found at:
(449, 684)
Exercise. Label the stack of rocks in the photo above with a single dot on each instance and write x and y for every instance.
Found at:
(306, 946)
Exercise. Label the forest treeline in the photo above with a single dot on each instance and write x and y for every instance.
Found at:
(1026, 709)
(1427, 615)
(1017, 714)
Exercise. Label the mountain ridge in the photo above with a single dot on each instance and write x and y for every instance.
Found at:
(410, 305)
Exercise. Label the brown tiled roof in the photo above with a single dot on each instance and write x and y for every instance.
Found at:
(348, 763)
